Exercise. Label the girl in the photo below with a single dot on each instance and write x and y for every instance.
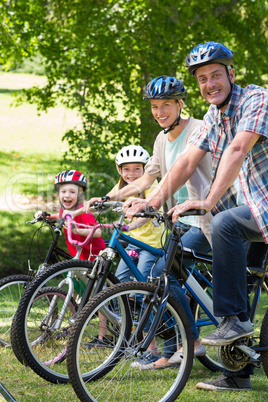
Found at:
(70, 186)
(130, 163)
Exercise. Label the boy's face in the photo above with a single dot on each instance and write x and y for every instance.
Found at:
(68, 195)
(131, 171)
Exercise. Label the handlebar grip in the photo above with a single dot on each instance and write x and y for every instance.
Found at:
(193, 212)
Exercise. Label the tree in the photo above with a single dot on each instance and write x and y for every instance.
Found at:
(99, 55)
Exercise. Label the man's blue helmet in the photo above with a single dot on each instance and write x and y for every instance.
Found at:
(165, 87)
(209, 53)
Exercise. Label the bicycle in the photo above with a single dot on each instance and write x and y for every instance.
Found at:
(36, 345)
(103, 266)
(93, 373)
(12, 287)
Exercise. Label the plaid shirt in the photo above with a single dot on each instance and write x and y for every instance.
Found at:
(246, 111)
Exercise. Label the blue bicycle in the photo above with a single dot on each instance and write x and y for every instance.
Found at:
(40, 329)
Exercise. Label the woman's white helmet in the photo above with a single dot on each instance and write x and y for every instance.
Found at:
(132, 154)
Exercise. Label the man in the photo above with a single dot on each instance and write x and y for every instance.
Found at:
(234, 131)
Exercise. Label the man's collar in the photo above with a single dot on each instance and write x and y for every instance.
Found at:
(231, 107)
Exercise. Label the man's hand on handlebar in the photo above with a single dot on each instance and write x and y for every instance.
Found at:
(180, 208)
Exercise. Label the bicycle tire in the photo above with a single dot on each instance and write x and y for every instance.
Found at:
(48, 292)
(11, 290)
(264, 342)
(23, 325)
(95, 371)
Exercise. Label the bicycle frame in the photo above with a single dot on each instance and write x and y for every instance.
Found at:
(104, 260)
(53, 249)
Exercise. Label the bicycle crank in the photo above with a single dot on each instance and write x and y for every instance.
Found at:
(236, 356)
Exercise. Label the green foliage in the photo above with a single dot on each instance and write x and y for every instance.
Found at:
(20, 242)
(99, 54)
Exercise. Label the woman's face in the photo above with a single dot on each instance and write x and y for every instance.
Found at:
(165, 111)
(131, 171)
(68, 195)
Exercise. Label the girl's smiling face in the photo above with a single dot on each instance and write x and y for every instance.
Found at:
(131, 171)
(68, 196)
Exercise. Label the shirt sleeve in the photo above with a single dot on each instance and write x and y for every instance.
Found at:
(201, 140)
(153, 167)
(255, 113)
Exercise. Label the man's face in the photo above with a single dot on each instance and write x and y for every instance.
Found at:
(214, 83)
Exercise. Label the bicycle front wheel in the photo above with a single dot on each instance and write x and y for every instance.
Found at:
(11, 290)
(108, 371)
(41, 327)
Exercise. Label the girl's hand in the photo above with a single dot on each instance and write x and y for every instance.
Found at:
(89, 203)
(66, 212)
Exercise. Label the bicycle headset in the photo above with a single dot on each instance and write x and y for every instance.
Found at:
(211, 53)
(164, 87)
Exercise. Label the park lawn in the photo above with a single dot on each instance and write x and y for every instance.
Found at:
(26, 386)
(31, 147)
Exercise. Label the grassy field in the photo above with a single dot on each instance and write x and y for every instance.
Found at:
(31, 146)
(31, 154)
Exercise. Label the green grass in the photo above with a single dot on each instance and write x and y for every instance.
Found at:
(31, 147)
(26, 386)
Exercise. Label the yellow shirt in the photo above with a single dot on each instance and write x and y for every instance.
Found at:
(147, 233)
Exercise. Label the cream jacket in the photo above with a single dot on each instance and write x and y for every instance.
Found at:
(198, 184)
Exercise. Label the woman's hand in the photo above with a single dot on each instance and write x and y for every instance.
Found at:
(134, 205)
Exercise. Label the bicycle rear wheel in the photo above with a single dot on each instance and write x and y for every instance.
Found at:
(264, 342)
(106, 372)
(11, 290)
(35, 339)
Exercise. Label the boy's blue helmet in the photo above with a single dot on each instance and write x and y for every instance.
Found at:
(209, 53)
(165, 87)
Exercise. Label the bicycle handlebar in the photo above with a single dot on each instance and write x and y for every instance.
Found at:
(106, 204)
(149, 213)
(77, 243)
(41, 216)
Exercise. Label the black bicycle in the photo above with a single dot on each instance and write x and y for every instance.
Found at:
(12, 287)
(134, 313)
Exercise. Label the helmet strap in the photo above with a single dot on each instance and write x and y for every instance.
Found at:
(176, 123)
